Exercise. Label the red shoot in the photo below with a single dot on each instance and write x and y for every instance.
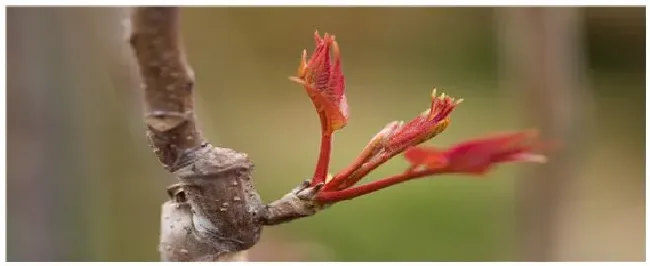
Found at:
(425, 126)
(324, 82)
(479, 155)
(473, 157)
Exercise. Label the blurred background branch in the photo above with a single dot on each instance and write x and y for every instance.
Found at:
(543, 63)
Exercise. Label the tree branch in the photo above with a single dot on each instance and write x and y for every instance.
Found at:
(214, 211)
(168, 81)
(215, 184)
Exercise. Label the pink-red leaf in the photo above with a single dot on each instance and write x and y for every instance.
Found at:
(479, 155)
(426, 125)
(324, 81)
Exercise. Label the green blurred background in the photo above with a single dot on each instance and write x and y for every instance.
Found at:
(83, 185)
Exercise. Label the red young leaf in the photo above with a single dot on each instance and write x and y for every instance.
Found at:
(324, 81)
(394, 139)
(479, 155)
(426, 125)
(432, 158)
(471, 157)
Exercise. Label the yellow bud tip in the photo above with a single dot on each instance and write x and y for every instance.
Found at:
(460, 101)
(302, 67)
(335, 48)
(317, 37)
(297, 80)
(442, 96)
(433, 93)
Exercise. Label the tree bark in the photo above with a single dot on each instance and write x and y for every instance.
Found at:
(214, 212)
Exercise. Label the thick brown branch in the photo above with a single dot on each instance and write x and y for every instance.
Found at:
(168, 84)
(215, 211)
(220, 212)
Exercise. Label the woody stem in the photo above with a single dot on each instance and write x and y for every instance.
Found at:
(353, 192)
(322, 165)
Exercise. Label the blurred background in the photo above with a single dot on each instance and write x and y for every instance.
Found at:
(83, 185)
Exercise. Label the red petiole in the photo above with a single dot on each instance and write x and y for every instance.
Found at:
(353, 192)
(322, 165)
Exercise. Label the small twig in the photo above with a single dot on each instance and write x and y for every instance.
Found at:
(296, 204)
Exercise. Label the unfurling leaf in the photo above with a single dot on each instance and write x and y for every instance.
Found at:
(479, 155)
(324, 81)
(425, 126)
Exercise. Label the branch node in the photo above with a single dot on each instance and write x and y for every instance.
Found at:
(213, 213)
(163, 121)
